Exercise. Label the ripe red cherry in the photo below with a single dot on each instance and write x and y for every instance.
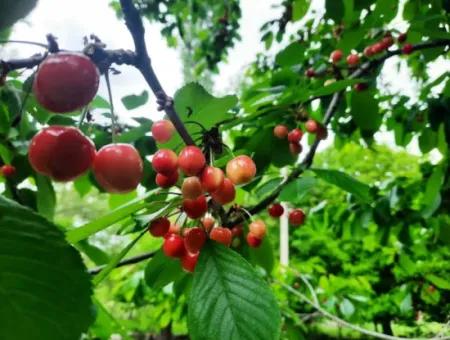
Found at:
(66, 82)
(189, 261)
(194, 239)
(241, 170)
(296, 217)
(173, 229)
(378, 48)
(253, 241)
(165, 182)
(368, 51)
(258, 228)
(162, 130)
(8, 170)
(408, 49)
(195, 208)
(353, 59)
(276, 210)
(191, 188)
(295, 149)
(191, 160)
(212, 178)
(60, 152)
(312, 126)
(387, 41)
(221, 235)
(159, 227)
(208, 223)
(174, 246)
(225, 194)
(322, 132)
(402, 38)
(165, 162)
(237, 231)
(280, 131)
(360, 87)
(336, 56)
(118, 168)
(310, 73)
(295, 136)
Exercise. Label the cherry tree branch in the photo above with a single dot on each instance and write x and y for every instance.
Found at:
(143, 63)
(125, 262)
(331, 110)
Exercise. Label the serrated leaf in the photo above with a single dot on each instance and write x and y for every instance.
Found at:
(134, 101)
(345, 182)
(44, 287)
(364, 110)
(438, 281)
(162, 270)
(293, 54)
(46, 198)
(296, 190)
(229, 300)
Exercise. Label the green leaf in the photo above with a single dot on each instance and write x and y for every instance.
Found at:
(334, 9)
(438, 281)
(162, 270)
(46, 198)
(427, 140)
(433, 191)
(95, 254)
(14, 10)
(293, 54)
(335, 87)
(135, 133)
(133, 101)
(299, 9)
(364, 109)
(263, 256)
(346, 308)
(385, 10)
(194, 103)
(82, 185)
(345, 182)
(44, 287)
(83, 232)
(296, 190)
(229, 300)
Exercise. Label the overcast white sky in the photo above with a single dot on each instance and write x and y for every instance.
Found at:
(71, 20)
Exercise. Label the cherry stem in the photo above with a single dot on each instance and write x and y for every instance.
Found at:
(83, 116)
(113, 115)
(25, 42)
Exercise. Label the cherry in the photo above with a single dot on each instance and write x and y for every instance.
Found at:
(191, 160)
(159, 227)
(253, 241)
(353, 60)
(195, 208)
(173, 229)
(360, 87)
(225, 194)
(189, 261)
(212, 178)
(296, 217)
(241, 170)
(165, 182)
(162, 130)
(387, 42)
(237, 231)
(322, 133)
(174, 246)
(378, 48)
(8, 170)
(295, 136)
(60, 152)
(194, 239)
(368, 51)
(312, 126)
(208, 223)
(66, 82)
(336, 56)
(221, 235)
(408, 49)
(310, 73)
(402, 38)
(165, 162)
(258, 228)
(280, 131)
(295, 148)
(276, 210)
(118, 168)
(191, 188)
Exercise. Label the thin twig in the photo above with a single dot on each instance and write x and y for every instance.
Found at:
(126, 262)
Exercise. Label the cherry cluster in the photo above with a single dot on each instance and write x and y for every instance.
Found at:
(66, 82)
(295, 135)
(296, 216)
